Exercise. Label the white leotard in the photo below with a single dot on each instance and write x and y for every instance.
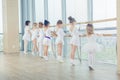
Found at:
(47, 41)
(34, 34)
(26, 35)
(41, 35)
(92, 45)
(60, 35)
(75, 37)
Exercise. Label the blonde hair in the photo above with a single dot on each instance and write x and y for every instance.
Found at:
(34, 25)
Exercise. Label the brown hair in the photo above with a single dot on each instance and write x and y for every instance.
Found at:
(41, 23)
(59, 22)
(34, 25)
(91, 26)
(71, 19)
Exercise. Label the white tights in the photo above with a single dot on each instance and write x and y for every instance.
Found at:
(91, 59)
(25, 45)
(40, 47)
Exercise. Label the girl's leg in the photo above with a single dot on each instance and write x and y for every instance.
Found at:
(59, 50)
(73, 50)
(46, 52)
(91, 59)
(33, 48)
(25, 46)
(36, 48)
(40, 49)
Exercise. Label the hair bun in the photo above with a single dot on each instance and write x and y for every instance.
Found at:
(59, 22)
(71, 19)
(46, 22)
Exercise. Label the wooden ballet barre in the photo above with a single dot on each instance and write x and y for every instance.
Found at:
(96, 21)
(111, 35)
(103, 36)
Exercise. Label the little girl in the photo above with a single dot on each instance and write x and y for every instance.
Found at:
(59, 39)
(34, 33)
(40, 39)
(91, 47)
(26, 36)
(75, 38)
(47, 38)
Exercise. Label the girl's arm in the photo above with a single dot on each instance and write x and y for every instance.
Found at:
(53, 34)
(67, 36)
(84, 35)
(104, 34)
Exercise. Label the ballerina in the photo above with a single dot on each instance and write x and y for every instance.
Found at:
(91, 47)
(59, 34)
(74, 33)
(47, 38)
(26, 36)
(34, 33)
(40, 39)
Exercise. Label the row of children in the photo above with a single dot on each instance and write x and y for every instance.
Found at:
(41, 39)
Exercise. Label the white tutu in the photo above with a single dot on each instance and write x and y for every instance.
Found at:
(41, 36)
(92, 45)
(47, 38)
(47, 42)
(34, 34)
(59, 41)
(40, 40)
(75, 37)
(33, 38)
(75, 42)
(60, 36)
(26, 35)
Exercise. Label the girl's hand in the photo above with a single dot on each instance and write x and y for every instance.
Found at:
(67, 36)
(53, 34)
(99, 34)
(84, 35)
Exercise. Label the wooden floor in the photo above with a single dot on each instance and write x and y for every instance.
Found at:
(28, 67)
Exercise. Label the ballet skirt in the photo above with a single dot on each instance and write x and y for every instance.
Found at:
(47, 37)
(26, 35)
(60, 36)
(34, 34)
(75, 39)
(92, 45)
(41, 35)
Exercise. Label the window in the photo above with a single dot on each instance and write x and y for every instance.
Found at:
(54, 11)
(77, 9)
(105, 9)
(39, 10)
